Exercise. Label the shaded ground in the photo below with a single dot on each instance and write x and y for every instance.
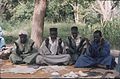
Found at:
(47, 74)
(43, 74)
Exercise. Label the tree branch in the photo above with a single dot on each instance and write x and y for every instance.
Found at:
(20, 2)
(101, 5)
(65, 3)
(115, 4)
(93, 7)
(72, 5)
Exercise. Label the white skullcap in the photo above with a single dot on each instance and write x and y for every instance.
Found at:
(23, 32)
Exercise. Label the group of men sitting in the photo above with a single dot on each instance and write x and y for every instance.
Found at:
(77, 50)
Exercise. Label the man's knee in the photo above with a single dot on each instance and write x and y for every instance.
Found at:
(15, 59)
(39, 59)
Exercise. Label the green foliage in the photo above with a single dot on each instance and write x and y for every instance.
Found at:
(16, 11)
(22, 12)
(91, 18)
(10, 39)
(17, 14)
(59, 12)
(111, 32)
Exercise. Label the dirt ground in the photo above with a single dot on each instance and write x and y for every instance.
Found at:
(42, 74)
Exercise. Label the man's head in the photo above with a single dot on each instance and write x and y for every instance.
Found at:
(53, 33)
(23, 36)
(97, 35)
(74, 31)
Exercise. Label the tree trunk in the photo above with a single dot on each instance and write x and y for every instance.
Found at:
(38, 22)
(76, 12)
(107, 11)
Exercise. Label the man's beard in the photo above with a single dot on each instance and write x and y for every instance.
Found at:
(23, 41)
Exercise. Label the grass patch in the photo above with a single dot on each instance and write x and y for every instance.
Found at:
(111, 31)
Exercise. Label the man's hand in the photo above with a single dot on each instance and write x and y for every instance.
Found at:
(67, 50)
(101, 41)
(47, 42)
(101, 44)
(59, 50)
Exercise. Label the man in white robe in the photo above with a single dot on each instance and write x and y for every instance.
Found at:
(52, 50)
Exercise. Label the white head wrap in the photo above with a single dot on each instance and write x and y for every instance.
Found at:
(23, 32)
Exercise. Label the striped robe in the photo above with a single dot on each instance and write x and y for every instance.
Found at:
(24, 54)
(50, 56)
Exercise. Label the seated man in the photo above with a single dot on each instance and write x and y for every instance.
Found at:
(51, 51)
(75, 44)
(4, 51)
(98, 53)
(23, 51)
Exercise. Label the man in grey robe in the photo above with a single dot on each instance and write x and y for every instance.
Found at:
(52, 50)
(23, 51)
(76, 45)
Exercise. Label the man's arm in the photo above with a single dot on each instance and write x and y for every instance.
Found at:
(60, 46)
(81, 45)
(105, 49)
(69, 48)
(47, 42)
(84, 43)
(30, 48)
(16, 50)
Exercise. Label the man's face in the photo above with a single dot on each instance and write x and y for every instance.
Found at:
(97, 37)
(53, 35)
(23, 38)
(74, 33)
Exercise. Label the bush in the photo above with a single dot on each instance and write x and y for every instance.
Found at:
(110, 31)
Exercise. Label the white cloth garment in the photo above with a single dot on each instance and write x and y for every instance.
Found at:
(53, 45)
(77, 40)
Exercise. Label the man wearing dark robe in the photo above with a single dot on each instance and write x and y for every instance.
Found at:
(23, 52)
(51, 51)
(98, 53)
(76, 45)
